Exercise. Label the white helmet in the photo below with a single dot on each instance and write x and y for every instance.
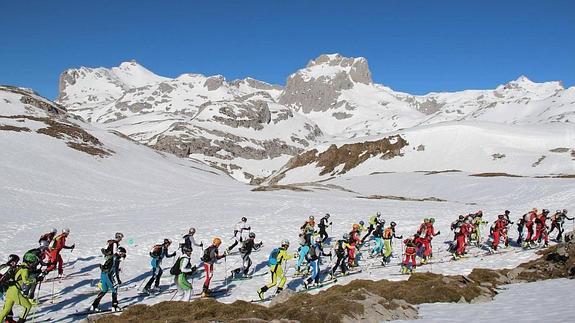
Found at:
(66, 231)
(54, 230)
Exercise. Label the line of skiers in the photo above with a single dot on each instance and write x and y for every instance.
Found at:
(18, 281)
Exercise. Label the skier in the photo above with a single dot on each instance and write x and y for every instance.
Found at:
(557, 221)
(276, 259)
(302, 252)
(238, 233)
(109, 280)
(158, 253)
(354, 241)
(7, 274)
(462, 233)
(56, 246)
(246, 250)
(476, 224)
(529, 221)
(210, 257)
(341, 251)
(308, 229)
(322, 226)
(521, 222)
(35, 260)
(497, 230)
(315, 252)
(181, 270)
(190, 241)
(112, 245)
(409, 264)
(14, 292)
(378, 238)
(388, 235)
(429, 235)
(505, 232)
(541, 228)
(455, 225)
(46, 238)
(374, 220)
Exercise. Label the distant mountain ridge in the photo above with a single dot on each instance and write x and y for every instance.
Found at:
(251, 129)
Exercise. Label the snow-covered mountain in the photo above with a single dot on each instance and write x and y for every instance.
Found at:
(251, 129)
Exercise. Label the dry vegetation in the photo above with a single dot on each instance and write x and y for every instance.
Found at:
(401, 198)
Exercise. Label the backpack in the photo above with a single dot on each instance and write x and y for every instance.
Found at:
(207, 253)
(339, 249)
(156, 251)
(107, 251)
(6, 277)
(175, 270)
(273, 258)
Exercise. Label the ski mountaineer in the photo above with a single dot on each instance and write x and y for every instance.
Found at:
(46, 238)
(462, 233)
(497, 231)
(477, 221)
(277, 258)
(378, 238)
(190, 241)
(429, 235)
(409, 264)
(520, 228)
(341, 251)
(302, 251)
(308, 229)
(210, 257)
(34, 259)
(354, 241)
(322, 226)
(529, 221)
(246, 250)
(455, 225)
(158, 253)
(313, 257)
(14, 294)
(56, 246)
(505, 232)
(181, 270)
(557, 221)
(7, 273)
(374, 220)
(388, 235)
(112, 245)
(110, 280)
(238, 233)
(541, 228)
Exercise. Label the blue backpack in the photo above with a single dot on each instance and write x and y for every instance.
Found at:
(272, 260)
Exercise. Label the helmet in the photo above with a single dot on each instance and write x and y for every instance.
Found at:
(500, 216)
(66, 231)
(122, 250)
(167, 241)
(54, 230)
(13, 259)
(361, 223)
(564, 211)
(432, 220)
(311, 218)
(426, 220)
(461, 217)
(559, 211)
(252, 235)
(318, 239)
(327, 215)
(479, 212)
(345, 236)
(545, 211)
(285, 243)
(217, 242)
(355, 226)
(534, 210)
(192, 231)
(507, 212)
(186, 249)
(378, 214)
(119, 235)
(393, 224)
(244, 219)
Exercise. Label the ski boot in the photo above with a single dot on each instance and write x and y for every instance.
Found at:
(94, 309)
(117, 308)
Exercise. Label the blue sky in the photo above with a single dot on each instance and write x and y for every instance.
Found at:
(412, 46)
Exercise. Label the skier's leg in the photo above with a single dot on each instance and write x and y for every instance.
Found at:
(151, 280)
(159, 273)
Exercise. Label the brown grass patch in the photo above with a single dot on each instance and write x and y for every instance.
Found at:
(13, 128)
(401, 198)
(443, 171)
(495, 175)
(278, 188)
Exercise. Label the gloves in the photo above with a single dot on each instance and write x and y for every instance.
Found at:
(40, 278)
(119, 282)
(330, 223)
(202, 244)
(295, 255)
(227, 252)
(73, 246)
